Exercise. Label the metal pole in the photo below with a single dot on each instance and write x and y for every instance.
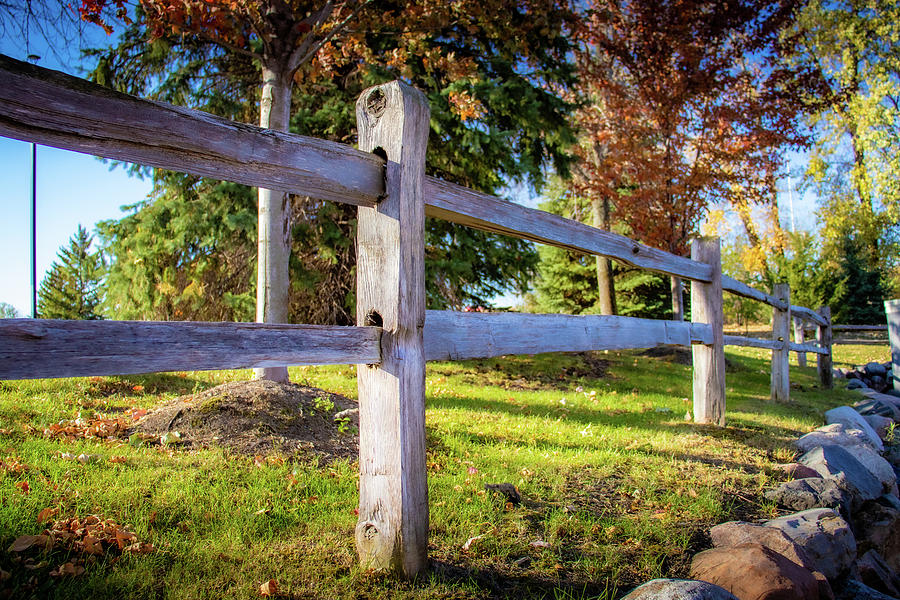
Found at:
(33, 230)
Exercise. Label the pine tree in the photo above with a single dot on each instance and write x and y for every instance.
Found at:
(8, 311)
(72, 288)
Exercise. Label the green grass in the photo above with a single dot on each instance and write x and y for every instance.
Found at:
(619, 485)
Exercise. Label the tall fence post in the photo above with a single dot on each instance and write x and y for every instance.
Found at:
(781, 332)
(825, 337)
(709, 360)
(800, 338)
(392, 531)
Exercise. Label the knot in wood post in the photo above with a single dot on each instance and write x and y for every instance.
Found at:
(781, 332)
(392, 531)
(709, 359)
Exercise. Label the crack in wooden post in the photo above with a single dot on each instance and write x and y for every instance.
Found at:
(392, 531)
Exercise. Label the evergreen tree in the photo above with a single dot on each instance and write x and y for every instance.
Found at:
(72, 288)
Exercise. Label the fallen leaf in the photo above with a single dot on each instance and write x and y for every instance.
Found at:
(539, 544)
(139, 548)
(4, 575)
(92, 545)
(45, 514)
(23, 487)
(471, 541)
(118, 459)
(269, 588)
(24, 542)
(68, 568)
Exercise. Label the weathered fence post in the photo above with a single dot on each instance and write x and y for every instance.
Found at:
(781, 332)
(800, 338)
(392, 531)
(825, 336)
(709, 360)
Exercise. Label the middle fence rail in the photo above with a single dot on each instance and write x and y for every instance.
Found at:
(395, 335)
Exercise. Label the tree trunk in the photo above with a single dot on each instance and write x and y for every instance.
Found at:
(606, 288)
(677, 299)
(272, 280)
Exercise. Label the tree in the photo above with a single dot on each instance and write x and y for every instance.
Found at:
(8, 311)
(492, 119)
(72, 287)
(854, 167)
(683, 105)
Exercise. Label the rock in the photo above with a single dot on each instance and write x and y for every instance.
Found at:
(875, 573)
(877, 465)
(880, 424)
(824, 537)
(856, 590)
(734, 533)
(346, 414)
(678, 589)
(813, 492)
(834, 461)
(877, 383)
(892, 392)
(873, 405)
(838, 373)
(754, 572)
(877, 527)
(836, 434)
(852, 419)
(855, 384)
(797, 471)
(874, 369)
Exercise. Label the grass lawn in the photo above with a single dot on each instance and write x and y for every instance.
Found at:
(618, 487)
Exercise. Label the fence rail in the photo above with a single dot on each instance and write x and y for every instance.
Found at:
(395, 336)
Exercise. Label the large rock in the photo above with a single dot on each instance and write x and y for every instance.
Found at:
(754, 572)
(856, 384)
(734, 533)
(857, 590)
(836, 462)
(874, 369)
(836, 434)
(797, 471)
(873, 405)
(678, 589)
(875, 573)
(812, 492)
(877, 465)
(879, 423)
(877, 527)
(824, 536)
(852, 419)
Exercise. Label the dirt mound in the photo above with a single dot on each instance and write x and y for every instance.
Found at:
(261, 417)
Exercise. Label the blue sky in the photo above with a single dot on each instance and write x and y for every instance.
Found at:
(72, 188)
(75, 189)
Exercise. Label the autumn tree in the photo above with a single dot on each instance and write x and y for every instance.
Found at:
(684, 104)
(493, 117)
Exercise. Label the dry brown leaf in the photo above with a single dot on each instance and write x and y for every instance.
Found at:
(92, 545)
(269, 588)
(45, 514)
(24, 542)
(139, 548)
(23, 487)
(118, 459)
(68, 568)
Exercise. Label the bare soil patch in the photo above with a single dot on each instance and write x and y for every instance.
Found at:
(261, 417)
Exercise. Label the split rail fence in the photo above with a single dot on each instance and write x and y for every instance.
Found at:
(395, 335)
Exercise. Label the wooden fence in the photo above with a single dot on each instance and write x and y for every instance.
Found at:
(395, 335)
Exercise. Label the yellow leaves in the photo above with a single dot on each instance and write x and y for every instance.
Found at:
(715, 223)
(95, 428)
(466, 106)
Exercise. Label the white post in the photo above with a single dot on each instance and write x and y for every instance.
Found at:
(800, 338)
(709, 360)
(392, 531)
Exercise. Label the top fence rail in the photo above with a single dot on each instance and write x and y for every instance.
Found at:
(51, 108)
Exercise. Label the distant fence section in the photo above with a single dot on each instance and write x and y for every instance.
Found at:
(395, 335)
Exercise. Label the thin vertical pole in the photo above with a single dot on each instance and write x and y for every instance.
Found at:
(709, 360)
(392, 531)
(34, 282)
(781, 332)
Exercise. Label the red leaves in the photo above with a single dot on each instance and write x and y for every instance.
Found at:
(89, 537)
(269, 588)
(96, 428)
